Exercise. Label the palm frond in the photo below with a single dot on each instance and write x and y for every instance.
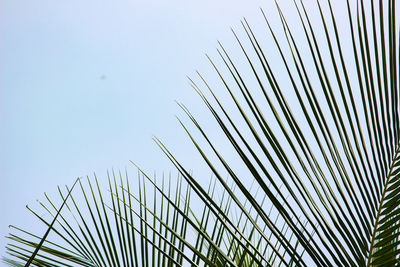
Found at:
(315, 181)
(141, 227)
(326, 127)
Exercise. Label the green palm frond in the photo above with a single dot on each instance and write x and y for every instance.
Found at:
(334, 147)
(316, 176)
(154, 225)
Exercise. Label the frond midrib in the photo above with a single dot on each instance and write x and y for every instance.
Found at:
(379, 211)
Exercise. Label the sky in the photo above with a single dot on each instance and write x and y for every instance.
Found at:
(84, 85)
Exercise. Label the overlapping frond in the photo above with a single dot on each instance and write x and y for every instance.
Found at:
(326, 127)
(153, 224)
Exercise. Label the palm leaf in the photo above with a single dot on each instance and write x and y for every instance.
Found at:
(334, 147)
(315, 181)
(157, 227)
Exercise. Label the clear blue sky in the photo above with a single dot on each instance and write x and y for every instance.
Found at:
(85, 84)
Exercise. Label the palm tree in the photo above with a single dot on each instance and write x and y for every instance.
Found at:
(316, 179)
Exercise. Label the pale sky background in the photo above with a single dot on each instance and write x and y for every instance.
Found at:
(85, 84)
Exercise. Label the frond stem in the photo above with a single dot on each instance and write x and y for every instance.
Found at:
(375, 231)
